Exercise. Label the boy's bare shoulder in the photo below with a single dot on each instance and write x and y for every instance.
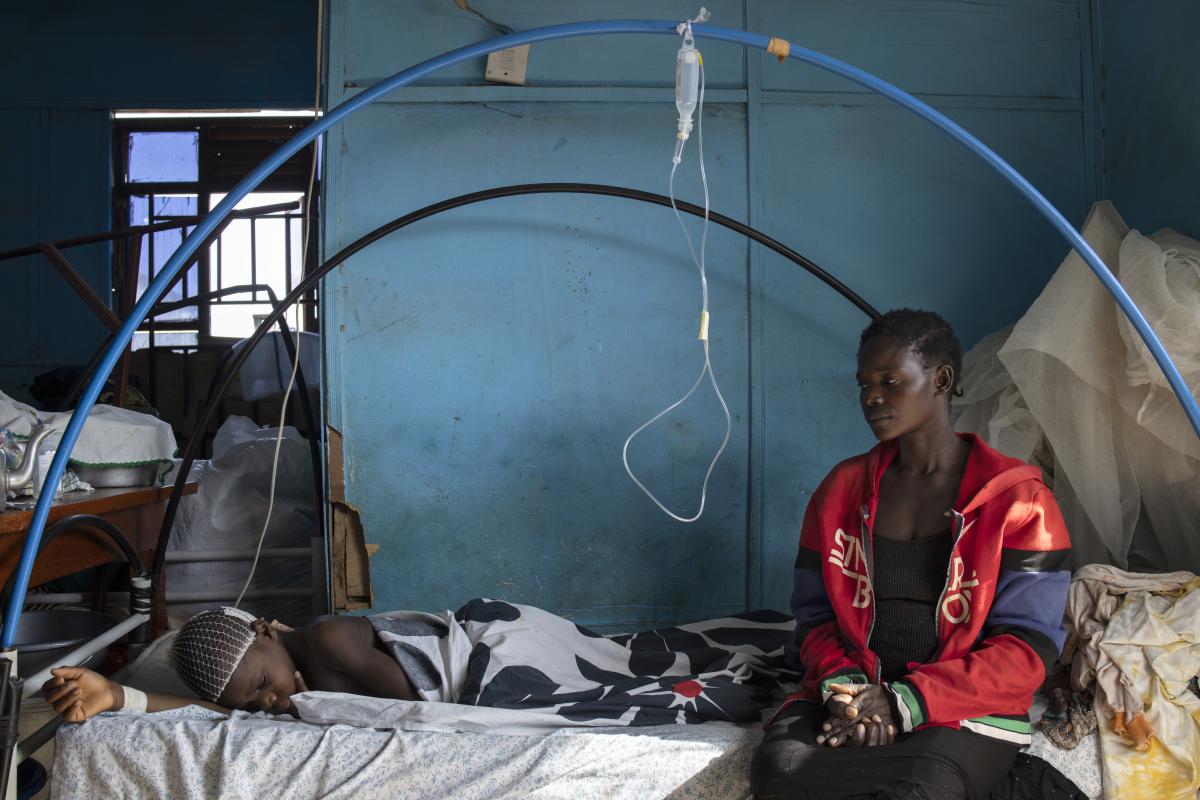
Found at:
(337, 637)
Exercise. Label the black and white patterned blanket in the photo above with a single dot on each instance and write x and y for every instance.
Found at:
(509, 656)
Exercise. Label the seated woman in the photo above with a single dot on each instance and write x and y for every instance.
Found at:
(929, 591)
(488, 653)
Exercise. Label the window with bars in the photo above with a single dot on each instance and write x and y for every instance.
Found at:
(175, 171)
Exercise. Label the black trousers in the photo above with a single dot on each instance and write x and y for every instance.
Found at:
(933, 764)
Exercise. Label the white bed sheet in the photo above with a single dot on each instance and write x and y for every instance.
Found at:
(194, 753)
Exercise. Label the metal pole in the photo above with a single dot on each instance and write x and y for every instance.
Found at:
(33, 684)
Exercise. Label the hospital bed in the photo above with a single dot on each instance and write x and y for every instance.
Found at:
(195, 753)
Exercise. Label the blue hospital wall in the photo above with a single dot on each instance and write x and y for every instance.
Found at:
(1150, 111)
(485, 366)
(64, 67)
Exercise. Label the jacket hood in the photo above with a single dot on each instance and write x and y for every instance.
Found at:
(988, 472)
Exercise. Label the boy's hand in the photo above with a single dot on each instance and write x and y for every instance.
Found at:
(300, 687)
(77, 693)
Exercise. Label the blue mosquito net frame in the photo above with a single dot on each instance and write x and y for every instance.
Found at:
(661, 27)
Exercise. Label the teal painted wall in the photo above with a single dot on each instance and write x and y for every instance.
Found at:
(1150, 103)
(486, 366)
(64, 66)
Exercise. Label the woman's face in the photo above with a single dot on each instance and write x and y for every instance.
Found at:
(265, 680)
(897, 392)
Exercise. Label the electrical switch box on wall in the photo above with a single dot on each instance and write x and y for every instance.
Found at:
(508, 66)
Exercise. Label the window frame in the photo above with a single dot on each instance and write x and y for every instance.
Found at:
(203, 188)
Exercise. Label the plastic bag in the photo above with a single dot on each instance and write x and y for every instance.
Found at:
(228, 510)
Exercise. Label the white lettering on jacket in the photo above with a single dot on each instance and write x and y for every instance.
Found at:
(846, 554)
(957, 606)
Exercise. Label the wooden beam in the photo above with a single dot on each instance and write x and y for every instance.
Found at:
(81, 287)
(133, 257)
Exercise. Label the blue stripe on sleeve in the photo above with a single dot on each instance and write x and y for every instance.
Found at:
(1032, 600)
(810, 603)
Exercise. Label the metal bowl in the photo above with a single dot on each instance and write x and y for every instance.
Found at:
(44, 637)
(114, 477)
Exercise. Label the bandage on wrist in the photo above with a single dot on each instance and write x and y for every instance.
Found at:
(135, 699)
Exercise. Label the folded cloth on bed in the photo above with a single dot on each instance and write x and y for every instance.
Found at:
(551, 673)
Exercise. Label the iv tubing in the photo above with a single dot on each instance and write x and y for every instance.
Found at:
(229, 366)
(707, 367)
(478, 49)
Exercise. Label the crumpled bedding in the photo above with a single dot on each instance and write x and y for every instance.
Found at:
(1097, 591)
(517, 658)
(1155, 642)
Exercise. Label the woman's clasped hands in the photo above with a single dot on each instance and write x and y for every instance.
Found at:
(860, 715)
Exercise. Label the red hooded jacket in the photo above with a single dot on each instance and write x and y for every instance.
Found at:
(999, 617)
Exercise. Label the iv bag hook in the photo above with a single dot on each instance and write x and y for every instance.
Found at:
(684, 28)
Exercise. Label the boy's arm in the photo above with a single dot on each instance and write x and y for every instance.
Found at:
(77, 694)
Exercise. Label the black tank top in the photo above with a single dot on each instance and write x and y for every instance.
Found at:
(909, 578)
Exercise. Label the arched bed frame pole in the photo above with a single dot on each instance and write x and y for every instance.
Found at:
(229, 366)
(773, 45)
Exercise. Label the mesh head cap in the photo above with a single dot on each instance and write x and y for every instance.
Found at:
(209, 647)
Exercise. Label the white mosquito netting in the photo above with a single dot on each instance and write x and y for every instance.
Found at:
(1072, 388)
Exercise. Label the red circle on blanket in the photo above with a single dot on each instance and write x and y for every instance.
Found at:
(688, 689)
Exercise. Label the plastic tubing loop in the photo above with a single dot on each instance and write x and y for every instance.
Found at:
(232, 362)
(478, 49)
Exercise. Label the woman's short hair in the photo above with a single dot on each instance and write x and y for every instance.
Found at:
(209, 647)
(927, 333)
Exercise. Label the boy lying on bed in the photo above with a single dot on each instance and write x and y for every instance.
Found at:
(488, 653)
(232, 660)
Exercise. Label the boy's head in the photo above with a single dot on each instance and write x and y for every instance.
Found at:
(227, 656)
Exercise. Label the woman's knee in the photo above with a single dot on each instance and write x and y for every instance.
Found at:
(771, 773)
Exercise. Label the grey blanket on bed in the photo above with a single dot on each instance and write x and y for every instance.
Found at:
(510, 656)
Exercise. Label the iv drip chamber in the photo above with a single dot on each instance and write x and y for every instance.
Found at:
(687, 86)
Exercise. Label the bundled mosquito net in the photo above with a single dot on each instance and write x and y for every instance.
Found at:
(1072, 387)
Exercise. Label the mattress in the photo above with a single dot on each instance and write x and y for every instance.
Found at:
(195, 753)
